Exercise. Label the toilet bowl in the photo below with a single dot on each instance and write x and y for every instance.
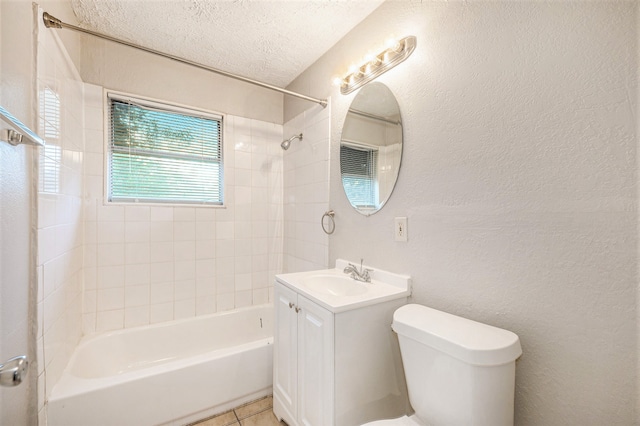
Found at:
(458, 371)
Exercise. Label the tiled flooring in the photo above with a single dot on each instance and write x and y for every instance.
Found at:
(256, 413)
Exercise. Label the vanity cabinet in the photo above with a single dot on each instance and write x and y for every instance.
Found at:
(335, 368)
(303, 359)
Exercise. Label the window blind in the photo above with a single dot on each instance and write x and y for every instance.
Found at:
(358, 167)
(159, 155)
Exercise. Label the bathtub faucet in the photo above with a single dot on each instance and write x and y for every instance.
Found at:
(358, 274)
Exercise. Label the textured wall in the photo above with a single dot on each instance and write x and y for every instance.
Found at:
(123, 68)
(17, 95)
(519, 183)
(257, 39)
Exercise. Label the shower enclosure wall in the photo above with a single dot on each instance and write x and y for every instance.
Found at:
(306, 191)
(105, 267)
(152, 263)
(60, 238)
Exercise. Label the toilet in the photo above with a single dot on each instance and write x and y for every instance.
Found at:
(458, 371)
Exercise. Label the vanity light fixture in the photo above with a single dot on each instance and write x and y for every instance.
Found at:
(397, 51)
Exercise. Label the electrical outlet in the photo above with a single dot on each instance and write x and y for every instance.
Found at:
(400, 229)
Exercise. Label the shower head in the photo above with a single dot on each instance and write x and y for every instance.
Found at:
(287, 143)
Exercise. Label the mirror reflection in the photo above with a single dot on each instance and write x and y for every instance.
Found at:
(371, 148)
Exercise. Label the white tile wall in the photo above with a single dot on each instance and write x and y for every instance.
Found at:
(306, 191)
(149, 264)
(104, 267)
(60, 230)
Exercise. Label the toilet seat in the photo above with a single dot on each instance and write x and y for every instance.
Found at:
(400, 421)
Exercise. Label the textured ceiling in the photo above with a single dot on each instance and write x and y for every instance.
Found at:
(267, 40)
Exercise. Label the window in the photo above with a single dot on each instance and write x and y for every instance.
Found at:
(163, 154)
(358, 166)
(50, 117)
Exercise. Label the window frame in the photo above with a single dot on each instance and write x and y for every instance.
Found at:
(108, 95)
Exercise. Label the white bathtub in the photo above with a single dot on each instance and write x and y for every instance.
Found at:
(170, 373)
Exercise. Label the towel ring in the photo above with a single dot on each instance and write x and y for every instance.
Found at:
(330, 214)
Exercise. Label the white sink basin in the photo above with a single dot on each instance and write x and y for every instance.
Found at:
(334, 285)
(338, 292)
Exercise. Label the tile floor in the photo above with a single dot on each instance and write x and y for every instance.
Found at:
(255, 413)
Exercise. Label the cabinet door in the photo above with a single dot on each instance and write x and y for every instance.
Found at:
(285, 353)
(315, 364)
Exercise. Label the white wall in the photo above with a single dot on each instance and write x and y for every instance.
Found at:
(17, 95)
(60, 222)
(306, 190)
(62, 10)
(126, 69)
(149, 264)
(23, 285)
(518, 179)
(182, 261)
(388, 164)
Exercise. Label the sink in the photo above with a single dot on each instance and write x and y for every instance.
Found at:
(338, 292)
(334, 285)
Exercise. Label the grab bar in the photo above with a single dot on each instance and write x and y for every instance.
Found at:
(19, 133)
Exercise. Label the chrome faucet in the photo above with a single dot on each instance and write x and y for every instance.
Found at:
(358, 274)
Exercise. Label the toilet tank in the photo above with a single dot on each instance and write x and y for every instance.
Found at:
(458, 371)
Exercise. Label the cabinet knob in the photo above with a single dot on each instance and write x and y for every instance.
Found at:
(290, 305)
(298, 309)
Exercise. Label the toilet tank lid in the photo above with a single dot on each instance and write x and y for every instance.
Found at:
(469, 341)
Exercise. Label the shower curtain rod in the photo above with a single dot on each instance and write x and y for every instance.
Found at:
(53, 22)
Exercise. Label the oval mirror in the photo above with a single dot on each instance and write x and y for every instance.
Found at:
(371, 148)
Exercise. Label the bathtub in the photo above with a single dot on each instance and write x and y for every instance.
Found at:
(167, 374)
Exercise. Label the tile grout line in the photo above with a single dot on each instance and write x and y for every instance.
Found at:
(196, 423)
(237, 418)
(252, 414)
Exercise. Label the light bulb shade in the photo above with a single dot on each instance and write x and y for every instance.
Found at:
(383, 62)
